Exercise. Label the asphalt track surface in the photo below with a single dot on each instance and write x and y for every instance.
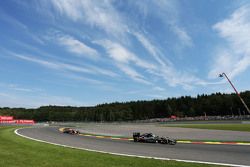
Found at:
(126, 129)
(228, 154)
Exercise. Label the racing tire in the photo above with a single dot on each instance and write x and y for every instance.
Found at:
(172, 142)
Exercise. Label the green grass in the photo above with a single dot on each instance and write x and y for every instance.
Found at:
(232, 127)
(16, 151)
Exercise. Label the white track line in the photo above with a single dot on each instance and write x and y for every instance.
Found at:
(129, 155)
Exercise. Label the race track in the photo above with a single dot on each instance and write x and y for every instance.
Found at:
(228, 154)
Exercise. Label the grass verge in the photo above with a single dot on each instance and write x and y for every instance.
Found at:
(232, 127)
(16, 151)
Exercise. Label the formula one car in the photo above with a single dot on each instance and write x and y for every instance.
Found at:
(151, 138)
(70, 131)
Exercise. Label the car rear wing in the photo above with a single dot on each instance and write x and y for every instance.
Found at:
(136, 136)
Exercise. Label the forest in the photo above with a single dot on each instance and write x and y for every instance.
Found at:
(216, 104)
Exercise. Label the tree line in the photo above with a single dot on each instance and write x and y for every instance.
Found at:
(216, 104)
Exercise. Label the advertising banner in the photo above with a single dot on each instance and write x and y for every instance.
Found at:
(8, 122)
(6, 118)
(25, 121)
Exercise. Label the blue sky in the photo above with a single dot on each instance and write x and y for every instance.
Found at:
(82, 53)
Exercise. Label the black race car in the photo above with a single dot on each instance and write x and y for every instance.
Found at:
(151, 138)
(70, 131)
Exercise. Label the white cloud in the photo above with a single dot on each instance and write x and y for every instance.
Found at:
(31, 101)
(77, 47)
(156, 96)
(64, 66)
(175, 78)
(150, 48)
(101, 15)
(168, 12)
(235, 58)
(105, 16)
(5, 95)
(38, 61)
(20, 25)
(124, 59)
(11, 20)
(81, 78)
(132, 73)
(166, 69)
(157, 88)
(17, 88)
(68, 8)
(122, 55)
(185, 39)
(54, 65)
(103, 71)
(223, 62)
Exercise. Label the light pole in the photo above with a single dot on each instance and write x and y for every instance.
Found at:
(221, 75)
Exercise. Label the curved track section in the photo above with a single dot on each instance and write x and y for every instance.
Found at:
(230, 155)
